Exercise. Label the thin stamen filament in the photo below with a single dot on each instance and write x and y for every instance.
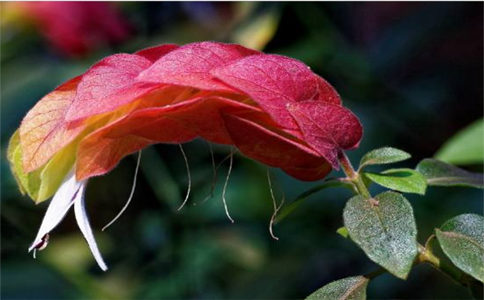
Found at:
(130, 195)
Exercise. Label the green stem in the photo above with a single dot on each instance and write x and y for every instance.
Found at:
(427, 256)
(353, 176)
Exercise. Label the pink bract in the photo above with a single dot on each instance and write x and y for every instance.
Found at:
(274, 109)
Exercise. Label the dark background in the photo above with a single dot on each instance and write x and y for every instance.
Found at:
(412, 72)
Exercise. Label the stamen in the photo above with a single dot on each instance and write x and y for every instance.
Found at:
(189, 178)
(276, 208)
(214, 175)
(214, 179)
(213, 157)
(130, 195)
(225, 186)
(42, 245)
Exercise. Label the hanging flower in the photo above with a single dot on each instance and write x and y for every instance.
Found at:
(274, 109)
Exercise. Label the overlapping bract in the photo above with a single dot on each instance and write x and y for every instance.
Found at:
(274, 109)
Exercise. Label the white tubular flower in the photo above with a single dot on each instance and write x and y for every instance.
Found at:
(70, 193)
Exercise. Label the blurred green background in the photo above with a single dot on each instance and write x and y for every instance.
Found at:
(412, 72)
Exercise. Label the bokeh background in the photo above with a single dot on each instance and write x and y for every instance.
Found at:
(413, 73)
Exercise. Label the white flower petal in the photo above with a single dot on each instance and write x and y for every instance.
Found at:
(83, 222)
(58, 208)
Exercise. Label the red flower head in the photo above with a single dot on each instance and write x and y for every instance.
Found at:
(274, 109)
(75, 28)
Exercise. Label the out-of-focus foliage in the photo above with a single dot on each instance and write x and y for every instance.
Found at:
(438, 173)
(411, 71)
(466, 147)
(72, 28)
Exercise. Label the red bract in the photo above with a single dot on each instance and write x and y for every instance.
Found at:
(44, 130)
(191, 64)
(273, 81)
(111, 83)
(76, 28)
(328, 128)
(274, 109)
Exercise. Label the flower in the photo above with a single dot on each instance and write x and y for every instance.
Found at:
(274, 109)
(74, 28)
(70, 193)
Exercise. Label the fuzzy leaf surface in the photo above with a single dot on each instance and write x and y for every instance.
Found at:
(382, 156)
(384, 227)
(351, 288)
(462, 239)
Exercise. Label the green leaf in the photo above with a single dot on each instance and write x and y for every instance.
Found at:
(402, 180)
(384, 227)
(287, 209)
(343, 231)
(441, 174)
(257, 33)
(382, 156)
(466, 147)
(351, 288)
(462, 239)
